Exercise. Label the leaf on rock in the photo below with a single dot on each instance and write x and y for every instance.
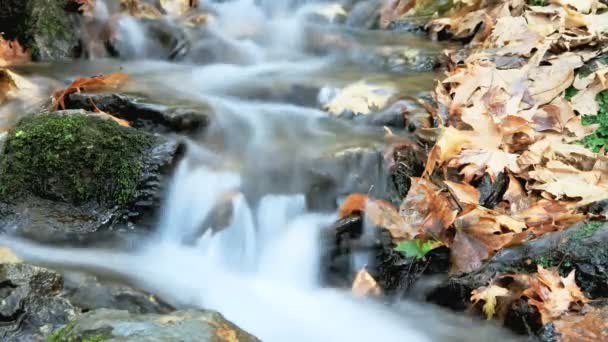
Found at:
(426, 210)
(96, 83)
(140, 9)
(360, 98)
(365, 285)
(488, 294)
(553, 295)
(417, 248)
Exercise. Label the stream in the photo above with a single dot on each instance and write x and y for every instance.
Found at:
(261, 270)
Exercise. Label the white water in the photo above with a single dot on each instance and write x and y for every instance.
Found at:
(261, 271)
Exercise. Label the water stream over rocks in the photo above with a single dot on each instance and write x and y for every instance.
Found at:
(259, 266)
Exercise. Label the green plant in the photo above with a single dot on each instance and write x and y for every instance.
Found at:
(417, 248)
(599, 138)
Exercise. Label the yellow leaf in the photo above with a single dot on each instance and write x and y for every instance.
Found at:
(488, 295)
(365, 285)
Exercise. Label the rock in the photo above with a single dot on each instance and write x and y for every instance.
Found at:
(87, 293)
(66, 174)
(30, 308)
(141, 113)
(115, 325)
(364, 14)
(42, 26)
(148, 38)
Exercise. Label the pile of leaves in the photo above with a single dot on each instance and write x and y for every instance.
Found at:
(522, 122)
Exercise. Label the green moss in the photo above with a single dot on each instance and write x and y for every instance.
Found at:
(599, 138)
(60, 335)
(587, 230)
(73, 158)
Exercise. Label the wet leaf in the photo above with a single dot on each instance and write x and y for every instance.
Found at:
(360, 98)
(109, 82)
(11, 53)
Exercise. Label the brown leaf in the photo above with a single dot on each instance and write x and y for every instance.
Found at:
(463, 193)
(426, 210)
(553, 295)
(365, 285)
(591, 325)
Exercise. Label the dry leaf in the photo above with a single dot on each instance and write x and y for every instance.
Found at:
(553, 295)
(365, 285)
(360, 98)
(426, 210)
(463, 193)
(488, 295)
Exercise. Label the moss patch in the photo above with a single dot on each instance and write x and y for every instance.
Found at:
(73, 158)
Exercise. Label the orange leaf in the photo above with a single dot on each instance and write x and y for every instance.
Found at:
(11, 52)
(96, 83)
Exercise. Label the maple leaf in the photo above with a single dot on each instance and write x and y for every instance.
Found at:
(488, 294)
(365, 285)
(360, 98)
(553, 295)
(96, 83)
(378, 212)
(479, 234)
(11, 53)
(549, 215)
(426, 210)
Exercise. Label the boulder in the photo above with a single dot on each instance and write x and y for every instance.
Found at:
(42, 26)
(116, 325)
(66, 174)
(30, 307)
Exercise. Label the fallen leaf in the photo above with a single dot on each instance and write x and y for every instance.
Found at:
(591, 325)
(553, 295)
(463, 193)
(96, 83)
(426, 210)
(365, 285)
(488, 294)
(360, 98)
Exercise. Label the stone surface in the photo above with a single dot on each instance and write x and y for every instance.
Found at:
(115, 325)
(70, 173)
(30, 307)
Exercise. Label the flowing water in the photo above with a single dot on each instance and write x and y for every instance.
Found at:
(262, 270)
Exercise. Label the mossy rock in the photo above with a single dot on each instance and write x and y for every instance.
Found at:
(81, 169)
(42, 26)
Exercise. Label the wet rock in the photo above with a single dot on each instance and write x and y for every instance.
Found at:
(141, 113)
(88, 293)
(148, 38)
(491, 192)
(30, 307)
(190, 325)
(364, 14)
(345, 172)
(42, 26)
(66, 174)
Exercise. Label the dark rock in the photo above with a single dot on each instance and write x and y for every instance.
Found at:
(88, 293)
(42, 26)
(66, 174)
(491, 192)
(142, 113)
(29, 306)
(191, 325)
